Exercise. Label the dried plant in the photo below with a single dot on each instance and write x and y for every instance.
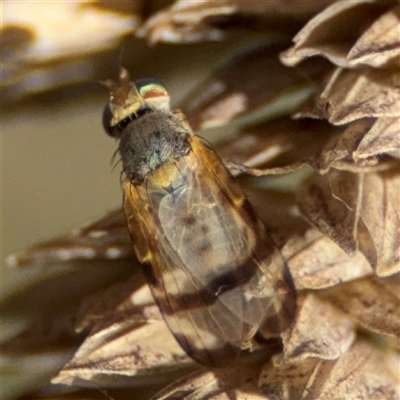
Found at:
(335, 101)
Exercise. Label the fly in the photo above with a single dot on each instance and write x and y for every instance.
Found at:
(212, 267)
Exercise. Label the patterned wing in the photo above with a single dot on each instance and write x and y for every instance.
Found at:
(214, 275)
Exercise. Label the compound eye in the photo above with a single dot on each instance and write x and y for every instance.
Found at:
(107, 116)
(154, 94)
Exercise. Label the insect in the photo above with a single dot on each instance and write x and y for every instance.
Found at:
(211, 265)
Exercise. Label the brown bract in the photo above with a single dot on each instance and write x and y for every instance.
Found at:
(251, 80)
(128, 342)
(317, 262)
(106, 238)
(240, 383)
(364, 145)
(319, 330)
(349, 34)
(57, 44)
(382, 138)
(374, 303)
(279, 142)
(357, 211)
(187, 21)
(350, 94)
(362, 371)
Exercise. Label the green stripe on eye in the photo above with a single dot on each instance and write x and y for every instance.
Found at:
(152, 90)
(154, 94)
